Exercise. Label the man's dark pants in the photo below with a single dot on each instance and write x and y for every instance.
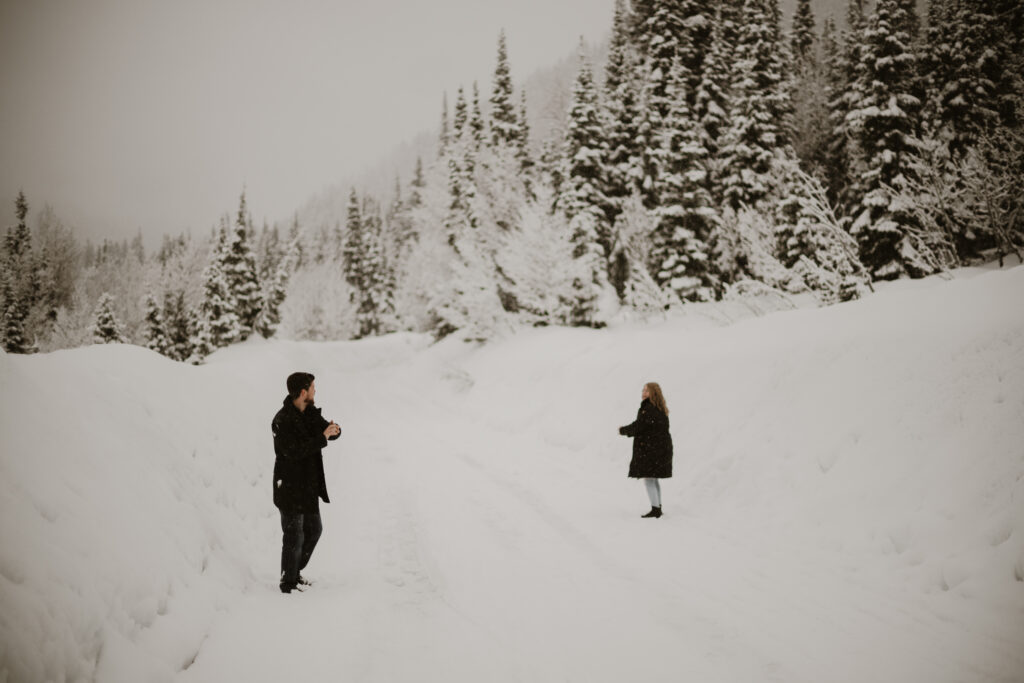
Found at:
(301, 532)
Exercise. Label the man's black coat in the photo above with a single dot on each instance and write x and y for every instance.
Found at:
(299, 465)
(652, 443)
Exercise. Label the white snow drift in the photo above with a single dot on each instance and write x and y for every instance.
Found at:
(848, 505)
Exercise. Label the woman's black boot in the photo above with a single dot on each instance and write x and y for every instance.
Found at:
(655, 512)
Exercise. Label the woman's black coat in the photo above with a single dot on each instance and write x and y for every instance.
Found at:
(652, 444)
(299, 466)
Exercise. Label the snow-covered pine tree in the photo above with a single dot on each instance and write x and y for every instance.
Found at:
(388, 279)
(885, 119)
(621, 64)
(416, 185)
(505, 126)
(43, 280)
(936, 63)
(962, 70)
(711, 104)
(831, 49)
(622, 113)
(686, 218)
(374, 294)
(462, 149)
(958, 67)
(426, 258)
(21, 287)
(458, 206)
(106, 329)
(757, 109)
(584, 202)
(639, 18)
(14, 329)
(909, 23)
(218, 324)
(18, 240)
(6, 285)
(444, 136)
(664, 30)
(399, 222)
(354, 249)
(336, 248)
(367, 268)
(695, 42)
(809, 128)
(552, 168)
(501, 191)
(238, 265)
(449, 272)
(6, 300)
(178, 326)
(526, 162)
(730, 18)
(395, 207)
(623, 117)
(274, 296)
(15, 312)
(295, 237)
(156, 337)
(802, 41)
(843, 164)
(461, 163)
(476, 120)
(1008, 43)
(461, 115)
(268, 252)
(648, 139)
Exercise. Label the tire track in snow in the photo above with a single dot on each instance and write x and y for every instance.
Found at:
(722, 620)
(500, 504)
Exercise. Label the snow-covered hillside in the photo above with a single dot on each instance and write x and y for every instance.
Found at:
(848, 504)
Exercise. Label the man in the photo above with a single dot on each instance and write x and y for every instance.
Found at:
(299, 484)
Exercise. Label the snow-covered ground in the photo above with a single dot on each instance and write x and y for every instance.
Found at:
(848, 504)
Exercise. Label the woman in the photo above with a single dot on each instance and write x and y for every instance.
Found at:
(652, 445)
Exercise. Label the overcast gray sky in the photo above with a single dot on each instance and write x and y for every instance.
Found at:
(152, 114)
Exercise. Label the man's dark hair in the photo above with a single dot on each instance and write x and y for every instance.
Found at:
(297, 381)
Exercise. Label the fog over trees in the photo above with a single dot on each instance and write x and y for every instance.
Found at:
(707, 152)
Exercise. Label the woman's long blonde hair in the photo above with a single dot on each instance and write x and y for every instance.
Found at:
(655, 396)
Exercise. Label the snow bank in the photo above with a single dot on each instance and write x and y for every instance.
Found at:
(124, 519)
(135, 501)
(847, 504)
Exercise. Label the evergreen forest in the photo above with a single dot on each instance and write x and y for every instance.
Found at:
(714, 153)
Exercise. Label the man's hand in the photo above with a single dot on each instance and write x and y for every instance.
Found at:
(332, 430)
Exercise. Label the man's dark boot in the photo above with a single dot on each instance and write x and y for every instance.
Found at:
(655, 512)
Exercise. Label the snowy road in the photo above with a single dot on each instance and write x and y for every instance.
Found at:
(462, 548)
(488, 580)
(847, 506)
(500, 579)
